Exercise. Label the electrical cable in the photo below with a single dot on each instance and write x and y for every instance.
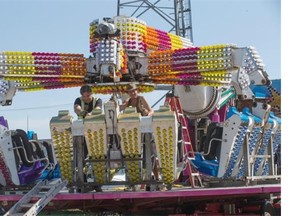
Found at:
(42, 107)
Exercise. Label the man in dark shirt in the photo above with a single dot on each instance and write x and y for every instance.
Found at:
(85, 104)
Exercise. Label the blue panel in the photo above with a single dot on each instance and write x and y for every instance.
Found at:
(263, 91)
(208, 167)
(233, 111)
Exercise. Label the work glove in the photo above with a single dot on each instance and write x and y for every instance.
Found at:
(83, 113)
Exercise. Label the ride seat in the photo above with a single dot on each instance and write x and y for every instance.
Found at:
(29, 157)
(213, 131)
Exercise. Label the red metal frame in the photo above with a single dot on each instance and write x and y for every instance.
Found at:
(188, 151)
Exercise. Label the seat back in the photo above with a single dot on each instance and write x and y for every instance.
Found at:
(213, 131)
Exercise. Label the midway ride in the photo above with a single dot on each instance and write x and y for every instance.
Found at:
(211, 148)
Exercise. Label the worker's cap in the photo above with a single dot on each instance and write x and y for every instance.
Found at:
(131, 87)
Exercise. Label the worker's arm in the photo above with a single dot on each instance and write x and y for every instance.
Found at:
(147, 107)
(124, 104)
(78, 109)
(98, 104)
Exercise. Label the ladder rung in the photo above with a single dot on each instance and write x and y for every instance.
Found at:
(16, 214)
(260, 156)
(27, 205)
(38, 195)
(46, 187)
(24, 203)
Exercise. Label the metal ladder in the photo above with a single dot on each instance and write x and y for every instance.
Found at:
(44, 191)
(188, 151)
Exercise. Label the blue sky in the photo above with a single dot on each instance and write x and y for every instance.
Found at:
(63, 26)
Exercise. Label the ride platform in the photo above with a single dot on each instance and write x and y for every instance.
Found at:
(186, 200)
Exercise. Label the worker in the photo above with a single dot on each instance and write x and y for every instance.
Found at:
(141, 105)
(85, 104)
(137, 101)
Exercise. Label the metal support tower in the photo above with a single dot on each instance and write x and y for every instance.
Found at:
(177, 13)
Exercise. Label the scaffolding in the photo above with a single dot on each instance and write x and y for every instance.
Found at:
(176, 13)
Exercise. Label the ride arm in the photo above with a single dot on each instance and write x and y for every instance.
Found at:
(34, 71)
(250, 71)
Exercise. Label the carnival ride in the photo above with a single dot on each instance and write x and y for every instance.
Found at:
(212, 132)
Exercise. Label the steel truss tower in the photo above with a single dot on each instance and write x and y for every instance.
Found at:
(177, 13)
